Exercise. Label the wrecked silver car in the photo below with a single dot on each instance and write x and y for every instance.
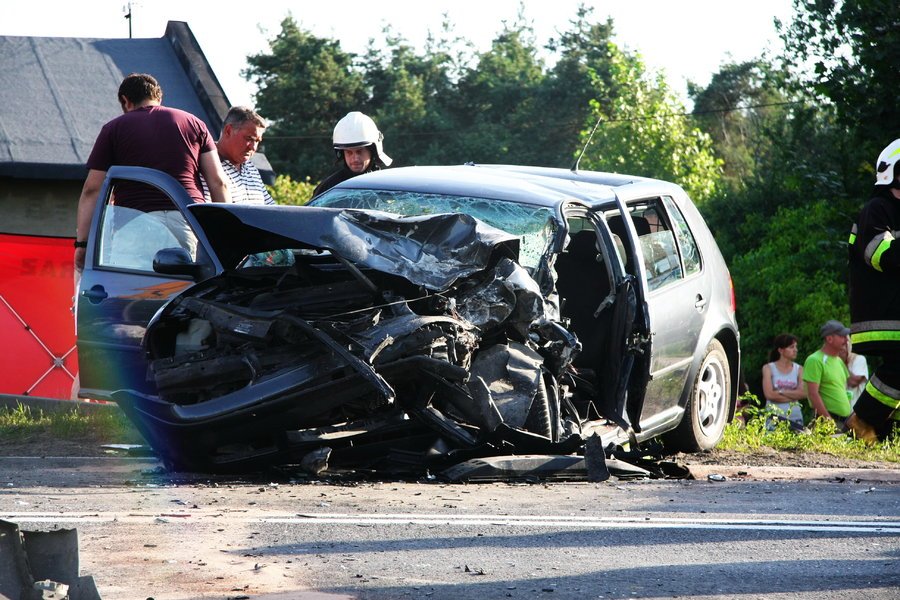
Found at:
(411, 321)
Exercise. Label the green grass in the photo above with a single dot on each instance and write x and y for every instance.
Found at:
(822, 437)
(22, 424)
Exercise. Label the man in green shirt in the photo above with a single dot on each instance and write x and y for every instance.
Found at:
(826, 375)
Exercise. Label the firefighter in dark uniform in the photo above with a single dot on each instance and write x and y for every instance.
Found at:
(875, 299)
(358, 149)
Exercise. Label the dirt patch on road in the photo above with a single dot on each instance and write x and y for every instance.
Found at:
(769, 457)
(48, 446)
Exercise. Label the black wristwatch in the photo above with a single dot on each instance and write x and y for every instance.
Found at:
(81, 244)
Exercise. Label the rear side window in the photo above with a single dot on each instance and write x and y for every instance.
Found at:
(686, 242)
(662, 264)
(669, 248)
(660, 258)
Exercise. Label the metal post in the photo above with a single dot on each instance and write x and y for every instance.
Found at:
(128, 16)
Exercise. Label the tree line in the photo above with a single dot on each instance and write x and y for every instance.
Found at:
(777, 152)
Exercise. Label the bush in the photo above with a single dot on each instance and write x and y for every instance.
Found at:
(291, 193)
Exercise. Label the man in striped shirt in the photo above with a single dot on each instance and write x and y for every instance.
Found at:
(241, 134)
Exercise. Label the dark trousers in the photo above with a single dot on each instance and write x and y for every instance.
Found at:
(886, 379)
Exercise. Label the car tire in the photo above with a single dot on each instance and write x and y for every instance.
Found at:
(706, 412)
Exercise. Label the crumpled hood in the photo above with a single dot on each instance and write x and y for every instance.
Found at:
(430, 250)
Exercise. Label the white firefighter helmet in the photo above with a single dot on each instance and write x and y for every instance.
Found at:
(884, 166)
(356, 130)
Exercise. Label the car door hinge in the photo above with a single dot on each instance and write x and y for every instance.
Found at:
(637, 343)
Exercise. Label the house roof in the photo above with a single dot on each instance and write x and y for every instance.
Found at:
(56, 94)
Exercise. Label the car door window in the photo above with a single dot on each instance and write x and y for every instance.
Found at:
(130, 238)
(660, 259)
(686, 242)
(662, 263)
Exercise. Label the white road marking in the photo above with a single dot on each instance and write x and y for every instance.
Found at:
(84, 458)
(573, 522)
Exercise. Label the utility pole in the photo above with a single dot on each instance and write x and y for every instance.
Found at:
(128, 16)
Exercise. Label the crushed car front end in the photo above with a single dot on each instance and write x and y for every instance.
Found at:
(396, 344)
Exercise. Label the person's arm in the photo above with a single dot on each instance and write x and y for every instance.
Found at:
(86, 204)
(859, 371)
(799, 393)
(768, 389)
(212, 172)
(812, 391)
(792, 395)
(855, 380)
(796, 394)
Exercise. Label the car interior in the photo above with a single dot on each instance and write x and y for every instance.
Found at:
(594, 311)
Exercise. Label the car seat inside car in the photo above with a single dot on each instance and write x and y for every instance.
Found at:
(583, 284)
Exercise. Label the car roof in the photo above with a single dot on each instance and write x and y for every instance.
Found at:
(542, 186)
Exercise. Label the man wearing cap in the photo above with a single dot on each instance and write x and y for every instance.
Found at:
(825, 374)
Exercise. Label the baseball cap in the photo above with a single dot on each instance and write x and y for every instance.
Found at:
(834, 328)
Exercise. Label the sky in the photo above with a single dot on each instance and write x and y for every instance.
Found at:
(686, 39)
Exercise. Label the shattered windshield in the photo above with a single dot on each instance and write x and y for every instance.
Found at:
(535, 225)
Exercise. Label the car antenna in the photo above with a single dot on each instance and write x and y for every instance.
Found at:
(586, 144)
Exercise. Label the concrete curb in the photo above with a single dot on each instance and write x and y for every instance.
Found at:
(52, 405)
(747, 473)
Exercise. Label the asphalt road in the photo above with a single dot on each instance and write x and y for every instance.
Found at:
(144, 533)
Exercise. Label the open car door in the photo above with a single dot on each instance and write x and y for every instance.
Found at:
(601, 299)
(120, 290)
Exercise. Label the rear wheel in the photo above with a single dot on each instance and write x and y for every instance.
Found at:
(707, 407)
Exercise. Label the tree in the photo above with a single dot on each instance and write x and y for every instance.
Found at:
(792, 280)
(849, 54)
(305, 85)
(740, 103)
(783, 225)
(496, 102)
(571, 85)
(783, 232)
(410, 93)
(642, 130)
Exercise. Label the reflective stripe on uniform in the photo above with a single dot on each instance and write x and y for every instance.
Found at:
(852, 234)
(876, 248)
(875, 336)
(875, 331)
(884, 393)
(875, 325)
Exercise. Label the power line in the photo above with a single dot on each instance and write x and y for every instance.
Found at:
(719, 110)
(326, 136)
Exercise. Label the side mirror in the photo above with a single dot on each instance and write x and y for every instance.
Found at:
(176, 261)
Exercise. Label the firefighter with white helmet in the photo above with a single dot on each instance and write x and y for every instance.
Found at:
(875, 299)
(358, 149)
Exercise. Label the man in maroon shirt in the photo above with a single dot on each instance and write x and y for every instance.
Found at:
(150, 135)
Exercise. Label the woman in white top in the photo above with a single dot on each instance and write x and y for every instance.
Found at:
(859, 373)
(782, 380)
